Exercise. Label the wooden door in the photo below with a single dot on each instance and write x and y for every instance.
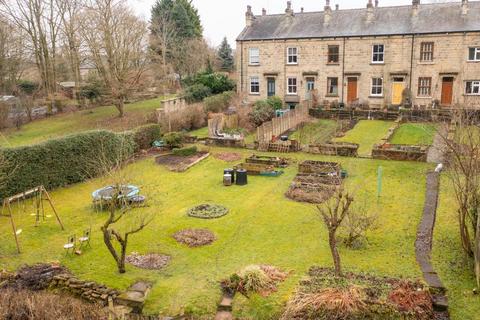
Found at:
(351, 89)
(397, 90)
(447, 91)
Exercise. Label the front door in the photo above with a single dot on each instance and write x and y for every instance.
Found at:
(351, 89)
(271, 87)
(310, 87)
(447, 91)
(397, 91)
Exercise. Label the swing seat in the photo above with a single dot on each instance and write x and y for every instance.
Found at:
(18, 231)
(68, 246)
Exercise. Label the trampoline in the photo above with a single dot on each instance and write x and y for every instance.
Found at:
(127, 192)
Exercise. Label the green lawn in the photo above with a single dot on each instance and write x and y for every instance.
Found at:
(453, 267)
(96, 118)
(367, 133)
(263, 227)
(319, 131)
(414, 134)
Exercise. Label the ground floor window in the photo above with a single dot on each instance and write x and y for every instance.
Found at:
(332, 86)
(472, 87)
(425, 87)
(377, 87)
(254, 85)
(292, 86)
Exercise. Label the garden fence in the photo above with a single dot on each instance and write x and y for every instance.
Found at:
(282, 124)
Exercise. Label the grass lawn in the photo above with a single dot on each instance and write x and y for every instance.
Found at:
(367, 133)
(319, 131)
(262, 227)
(414, 134)
(453, 267)
(96, 118)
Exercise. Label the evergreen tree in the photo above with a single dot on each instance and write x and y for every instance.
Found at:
(181, 14)
(225, 55)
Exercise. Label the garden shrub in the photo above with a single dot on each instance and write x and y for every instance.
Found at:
(28, 87)
(145, 135)
(196, 93)
(262, 112)
(185, 152)
(173, 139)
(219, 102)
(275, 102)
(60, 162)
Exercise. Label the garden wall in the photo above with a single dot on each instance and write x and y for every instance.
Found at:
(280, 125)
(400, 152)
(344, 149)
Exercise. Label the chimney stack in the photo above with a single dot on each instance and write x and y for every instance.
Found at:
(415, 4)
(264, 12)
(302, 10)
(327, 15)
(464, 7)
(370, 13)
(289, 10)
(249, 17)
(376, 3)
(337, 7)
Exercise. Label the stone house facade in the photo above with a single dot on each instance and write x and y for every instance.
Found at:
(425, 55)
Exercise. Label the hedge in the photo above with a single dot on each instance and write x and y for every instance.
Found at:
(145, 135)
(60, 162)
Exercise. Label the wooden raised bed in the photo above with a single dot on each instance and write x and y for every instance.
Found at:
(344, 149)
(266, 160)
(320, 167)
(400, 152)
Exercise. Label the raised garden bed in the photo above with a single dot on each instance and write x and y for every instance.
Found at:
(228, 156)
(194, 237)
(181, 163)
(344, 149)
(267, 160)
(258, 169)
(225, 142)
(207, 211)
(400, 152)
(358, 296)
(319, 167)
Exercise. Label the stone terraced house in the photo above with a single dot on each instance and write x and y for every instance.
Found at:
(427, 55)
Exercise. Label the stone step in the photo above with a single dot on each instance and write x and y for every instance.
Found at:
(440, 303)
(224, 315)
(225, 304)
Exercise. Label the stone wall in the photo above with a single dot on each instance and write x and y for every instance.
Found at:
(344, 149)
(400, 152)
(450, 60)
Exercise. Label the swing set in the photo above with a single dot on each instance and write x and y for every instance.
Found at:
(38, 196)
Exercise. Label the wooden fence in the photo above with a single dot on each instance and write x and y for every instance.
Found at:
(280, 125)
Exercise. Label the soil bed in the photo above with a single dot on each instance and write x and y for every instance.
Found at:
(179, 163)
(228, 156)
(194, 237)
(207, 211)
(150, 261)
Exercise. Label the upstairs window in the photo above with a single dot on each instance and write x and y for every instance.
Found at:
(472, 87)
(474, 54)
(333, 54)
(426, 51)
(378, 53)
(424, 87)
(292, 86)
(292, 55)
(377, 87)
(254, 55)
(254, 85)
(332, 86)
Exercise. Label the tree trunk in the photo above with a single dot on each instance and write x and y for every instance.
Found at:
(332, 241)
(108, 243)
(120, 107)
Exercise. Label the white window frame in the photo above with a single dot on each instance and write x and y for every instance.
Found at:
(375, 85)
(378, 53)
(292, 52)
(421, 87)
(254, 60)
(475, 84)
(476, 53)
(255, 79)
(329, 84)
(292, 89)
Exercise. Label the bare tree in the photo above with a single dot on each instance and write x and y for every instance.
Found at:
(356, 224)
(13, 55)
(462, 144)
(116, 43)
(40, 20)
(333, 212)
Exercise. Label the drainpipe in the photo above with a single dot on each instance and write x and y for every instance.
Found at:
(241, 66)
(343, 69)
(411, 68)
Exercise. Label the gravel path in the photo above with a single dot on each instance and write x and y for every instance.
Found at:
(436, 153)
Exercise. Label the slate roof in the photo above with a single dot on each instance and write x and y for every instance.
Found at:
(431, 18)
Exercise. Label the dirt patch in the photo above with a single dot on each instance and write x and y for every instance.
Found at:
(35, 277)
(180, 163)
(151, 261)
(322, 295)
(194, 237)
(310, 195)
(207, 211)
(228, 156)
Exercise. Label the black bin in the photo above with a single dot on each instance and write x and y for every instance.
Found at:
(241, 177)
(230, 172)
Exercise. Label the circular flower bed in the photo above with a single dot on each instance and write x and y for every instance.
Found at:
(151, 261)
(194, 237)
(207, 211)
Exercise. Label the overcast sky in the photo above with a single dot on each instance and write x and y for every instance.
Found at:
(227, 17)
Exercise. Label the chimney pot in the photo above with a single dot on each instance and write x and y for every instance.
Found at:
(302, 9)
(264, 12)
(376, 3)
(337, 6)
